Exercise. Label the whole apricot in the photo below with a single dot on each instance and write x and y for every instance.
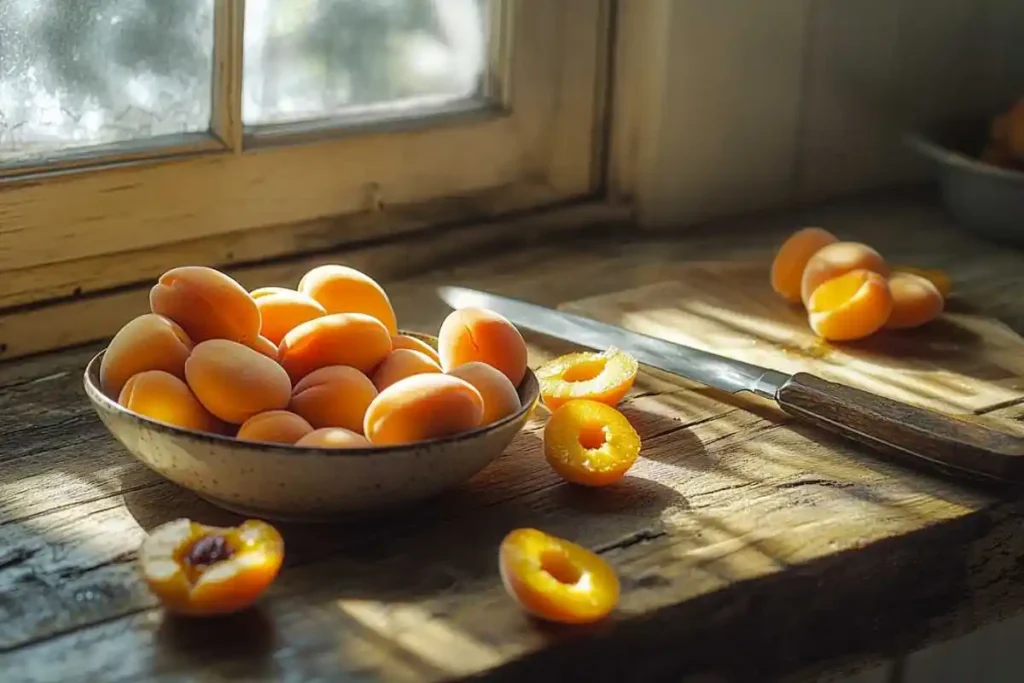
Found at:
(282, 310)
(402, 363)
(792, 257)
(335, 396)
(915, 301)
(206, 303)
(354, 339)
(274, 426)
(340, 289)
(161, 396)
(234, 382)
(333, 437)
(423, 407)
(404, 341)
(837, 259)
(500, 397)
(476, 334)
(148, 342)
(264, 346)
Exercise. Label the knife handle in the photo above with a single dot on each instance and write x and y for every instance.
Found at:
(945, 442)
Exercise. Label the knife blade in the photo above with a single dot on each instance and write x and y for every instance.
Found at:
(948, 444)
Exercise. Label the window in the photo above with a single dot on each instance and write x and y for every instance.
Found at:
(130, 125)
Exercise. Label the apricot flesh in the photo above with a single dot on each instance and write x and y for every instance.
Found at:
(341, 289)
(161, 396)
(206, 303)
(915, 301)
(555, 579)
(499, 396)
(400, 364)
(590, 443)
(148, 342)
(476, 334)
(335, 396)
(354, 339)
(837, 259)
(234, 382)
(792, 257)
(851, 306)
(604, 377)
(333, 437)
(274, 426)
(421, 407)
(282, 310)
(404, 341)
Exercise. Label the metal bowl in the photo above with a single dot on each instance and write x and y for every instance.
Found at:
(288, 483)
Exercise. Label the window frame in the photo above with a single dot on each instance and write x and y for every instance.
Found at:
(540, 146)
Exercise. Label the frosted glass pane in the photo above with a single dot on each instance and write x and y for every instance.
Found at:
(76, 73)
(310, 59)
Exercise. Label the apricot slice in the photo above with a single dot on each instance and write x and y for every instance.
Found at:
(423, 407)
(282, 310)
(590, 443)
(404, 341)
(837, 259)
(234, 382)
(340, 289)
(206, 303)
(603, 377)
(555, 579)
(163, 397)
(915, 301)
(400, 364)
(851, 306)
(333, 437)
(500, 397)
(354, 339)
(274, 426)
(200, 570)
(335, 396)
(476, 334)
(792, 257)
(937, 277)
(148, 342)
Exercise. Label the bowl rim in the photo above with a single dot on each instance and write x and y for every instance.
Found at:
(96, 395)
(941, 154)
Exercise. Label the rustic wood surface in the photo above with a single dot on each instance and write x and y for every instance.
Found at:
(749, 547)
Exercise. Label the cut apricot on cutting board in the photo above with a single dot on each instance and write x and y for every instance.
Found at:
(937, 277)
(851, 306)
(792, 257)
(838, 259)
(555, 579)
(590, 443)
(603, 377)
(915, 301)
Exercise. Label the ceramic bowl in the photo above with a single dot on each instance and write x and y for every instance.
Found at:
(289, 483)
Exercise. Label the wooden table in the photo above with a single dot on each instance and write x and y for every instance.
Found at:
(747, 546)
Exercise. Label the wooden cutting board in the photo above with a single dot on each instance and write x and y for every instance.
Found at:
(961, 363)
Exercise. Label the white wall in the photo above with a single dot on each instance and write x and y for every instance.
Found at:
(729, 106)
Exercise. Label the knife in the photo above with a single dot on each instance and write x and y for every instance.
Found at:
(945, 443)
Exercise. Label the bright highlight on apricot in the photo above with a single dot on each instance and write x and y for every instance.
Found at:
(555, 579)
(603, 377)
(851, 306)
(792, 257)
(590, 443)
(200, 570)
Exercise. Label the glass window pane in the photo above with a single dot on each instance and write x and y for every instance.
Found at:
(77, 73)
(311, 59)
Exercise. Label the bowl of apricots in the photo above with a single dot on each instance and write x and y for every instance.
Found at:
(308, 404)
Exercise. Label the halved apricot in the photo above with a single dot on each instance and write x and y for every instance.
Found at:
(555, 579)
(851, 306)
(603, 377)
(590, 443)
(937, 277)
(915, 301)
(837, 259)
(341, 289)
(792, 257)
(201, 570)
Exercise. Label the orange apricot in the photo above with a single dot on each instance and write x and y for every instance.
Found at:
(555, 579)
(333, 437)
(200, 570)
(264, 346)
(206, 303)
(161, 396)
(148, 342)
(792, 257)
(335, 396)
(354, 339)
(837, 259)
(476, 334)
(340, 289)
(1014, 127)
(590, 443)
(282, 310)
(851, 306)
(404, 341)
(400, 364)
(603, 377)
(937, 277)
(423, 407)
(234, 382)
(915, 301)
(500, 397)
(274, 426)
